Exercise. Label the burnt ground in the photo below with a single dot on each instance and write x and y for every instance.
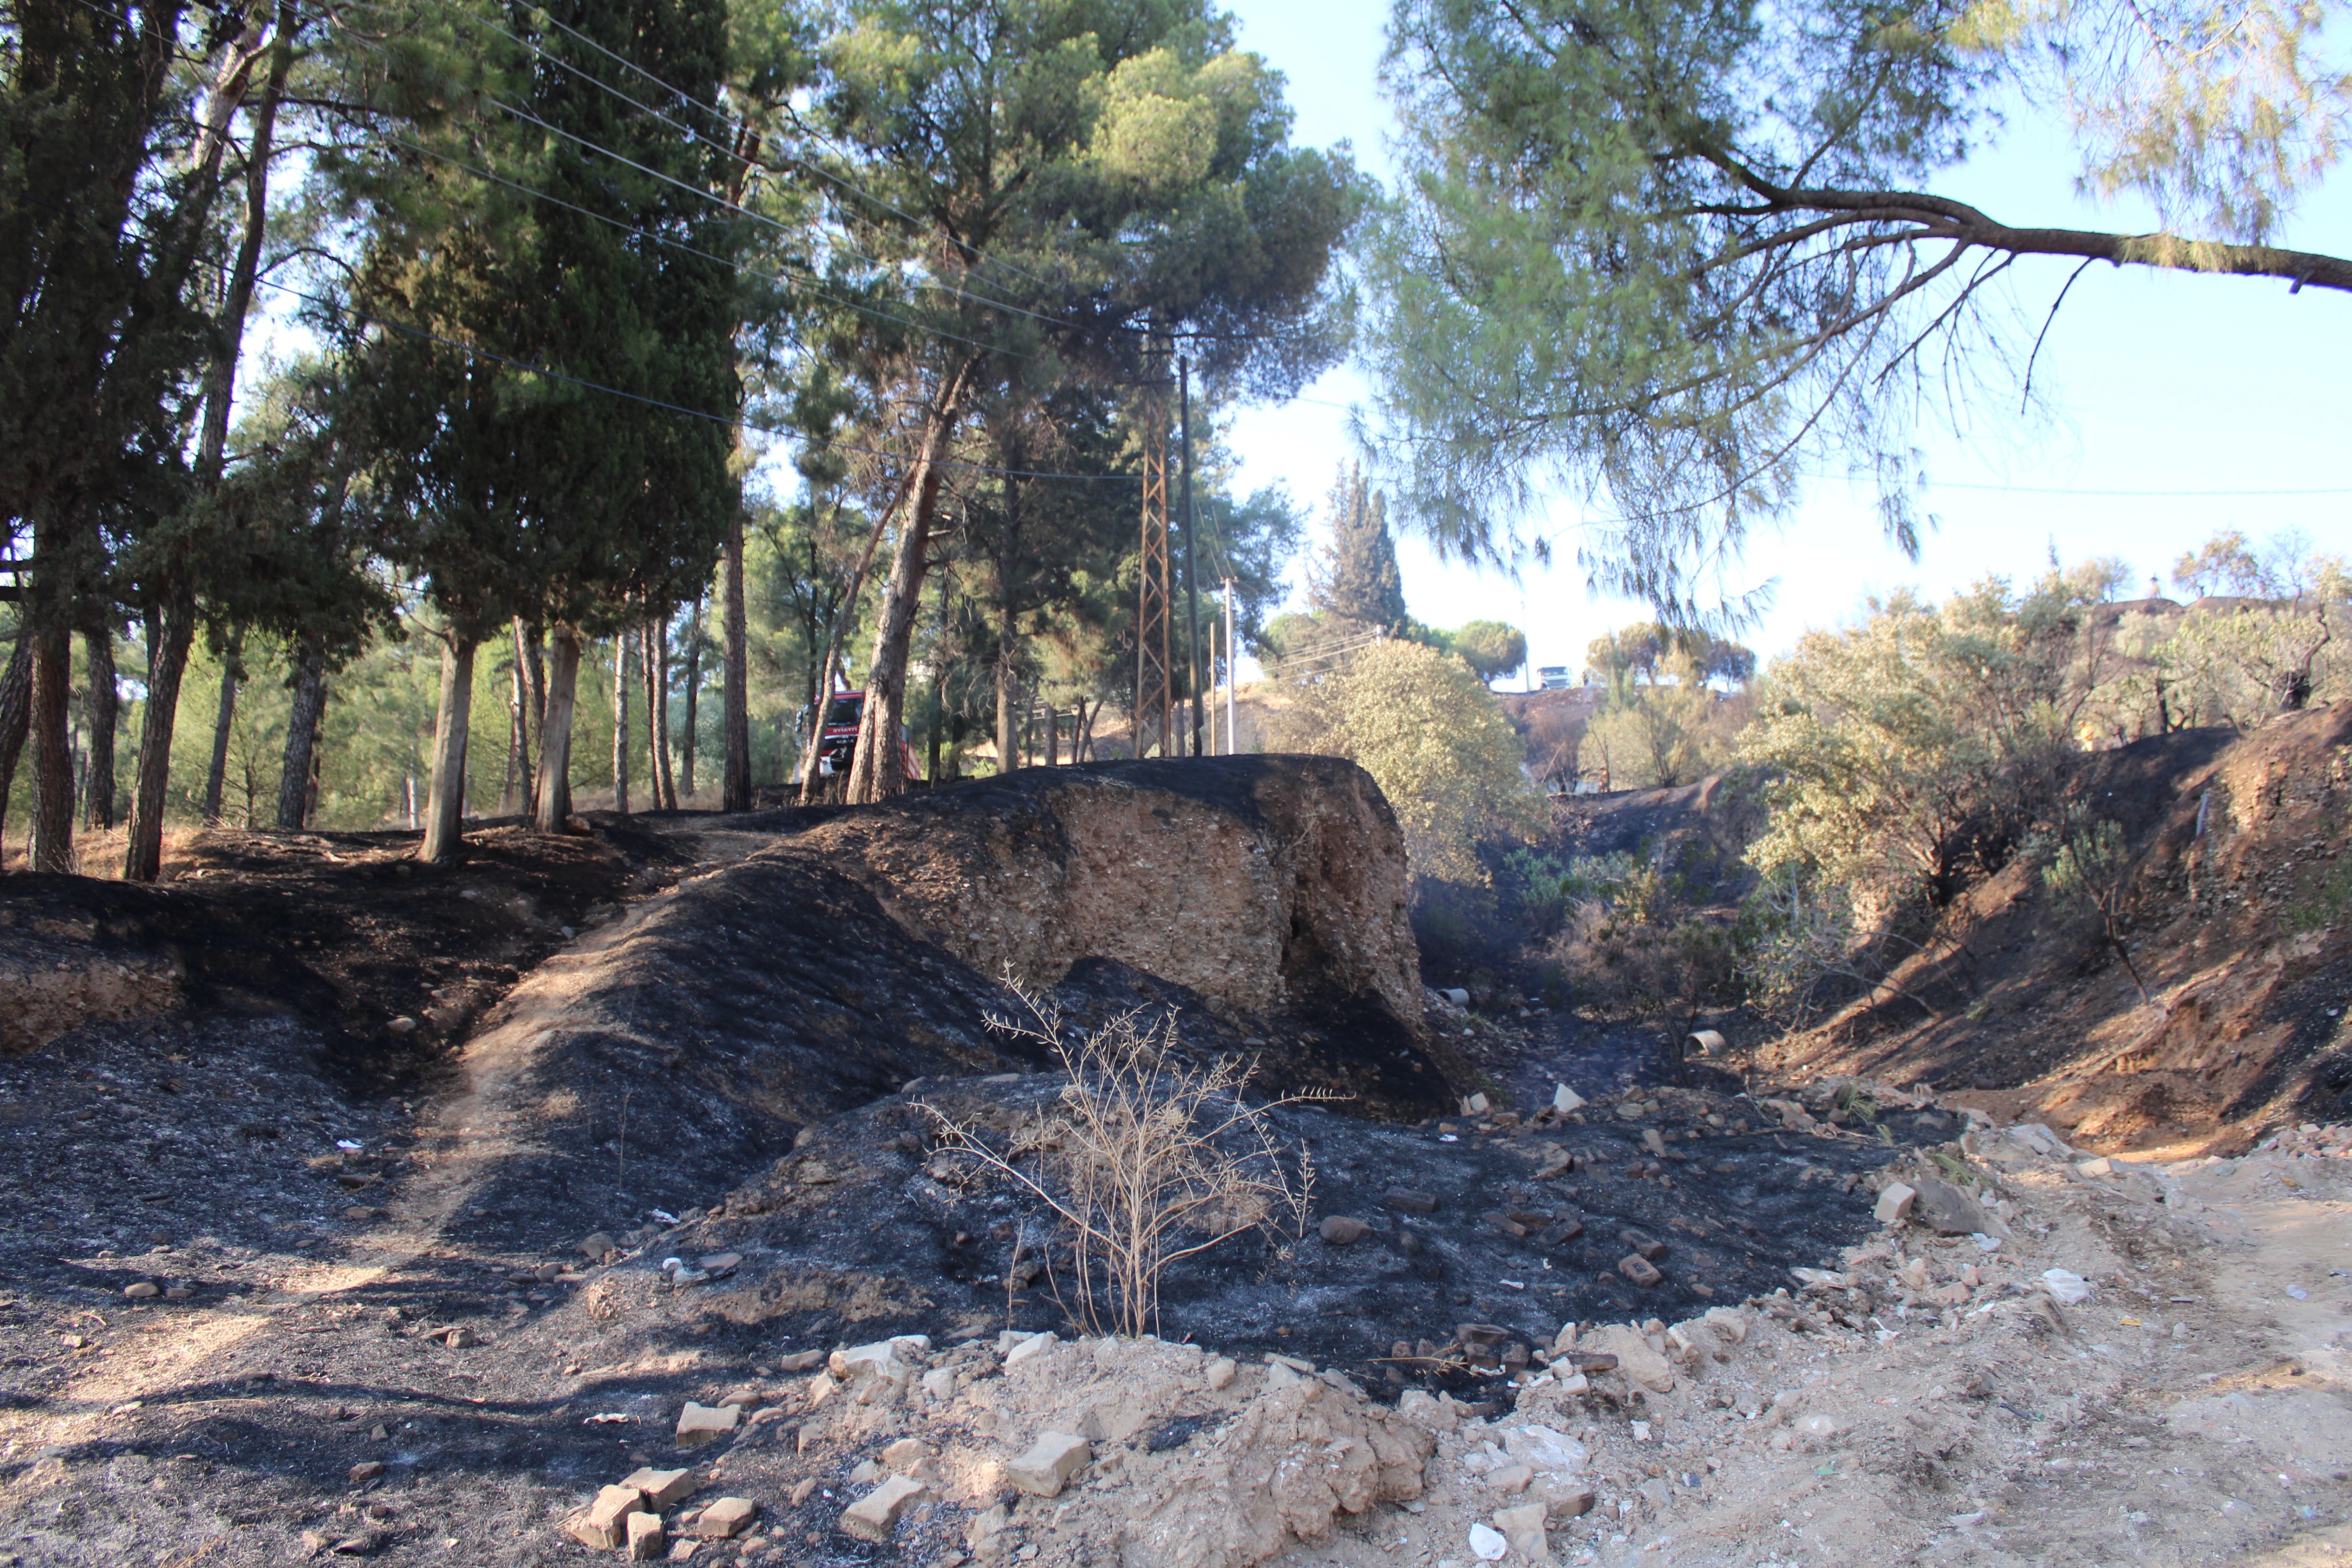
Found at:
(313, 1321)
(870, 1195)
(277, 1160)
(386, 959)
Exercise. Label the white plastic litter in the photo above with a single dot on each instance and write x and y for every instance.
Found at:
(2067, 1287)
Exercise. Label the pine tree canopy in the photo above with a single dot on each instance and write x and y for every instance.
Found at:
(1661, 254)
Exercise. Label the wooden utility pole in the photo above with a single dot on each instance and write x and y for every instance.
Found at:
(1191, 527)
(1232, 735)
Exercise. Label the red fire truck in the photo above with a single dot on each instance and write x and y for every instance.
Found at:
(838, 745)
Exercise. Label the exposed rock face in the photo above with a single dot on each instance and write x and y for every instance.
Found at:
(1259, 883)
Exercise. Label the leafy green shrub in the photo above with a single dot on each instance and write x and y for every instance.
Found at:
(1431, 735)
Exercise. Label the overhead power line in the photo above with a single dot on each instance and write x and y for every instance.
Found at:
(732, 421)
(759, 138)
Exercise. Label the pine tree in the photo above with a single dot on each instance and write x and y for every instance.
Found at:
(576, 499)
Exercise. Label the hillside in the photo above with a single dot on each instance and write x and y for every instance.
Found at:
(2242, 931)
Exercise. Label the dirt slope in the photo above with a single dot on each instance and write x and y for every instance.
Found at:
(2242, 931)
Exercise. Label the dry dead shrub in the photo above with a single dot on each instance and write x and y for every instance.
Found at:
(1146, 1157)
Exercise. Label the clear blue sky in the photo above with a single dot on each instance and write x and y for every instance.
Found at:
(2178, 383)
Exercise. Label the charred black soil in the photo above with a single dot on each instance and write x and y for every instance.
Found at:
(261, 1226)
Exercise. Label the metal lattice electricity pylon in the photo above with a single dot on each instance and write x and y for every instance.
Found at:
(1155, 699)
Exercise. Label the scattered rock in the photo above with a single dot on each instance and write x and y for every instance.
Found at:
(1945, 1210)
(801, 1360)
(1473, 1105)
(1510, 1480)
(1504, 1222)
(1542, 1449)
(1643, 1243)
(1523, 1527)
(1488, 1545)
(1049, 1464)
(700, 1423)
(1035, 1344)
(885, 1356)
(726, 1519)
(1565, 1100)
(1405, 1200)
(1636, 1361)
(1343, 1230)
(871, 1517)
(598, 1245)
(646, 1537)
(904, 1454)
(143, 1291)
(1639, 1269)
(1653, 1140)
(1895, 1203)
(1222, 1372)
(661, 1489)
(366, 1470)
(1296, 1457)
(1568, 1502)
(603, 1523)
(2040, 1139)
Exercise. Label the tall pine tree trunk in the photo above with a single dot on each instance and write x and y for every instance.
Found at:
(444, 811)
(49, 717)
(101, 713)
(1008, 684)
(693, 698)
(877, 774)
(654, 648)
(294, 781)
(517, 796)
(621, 677)
(223, 723)
(530, 698)
(171, 632)
(735, 784)
(552, 797)
(16, 709)
(842, 613)
(142, 859)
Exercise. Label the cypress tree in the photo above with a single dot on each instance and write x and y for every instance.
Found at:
(1358, 579)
